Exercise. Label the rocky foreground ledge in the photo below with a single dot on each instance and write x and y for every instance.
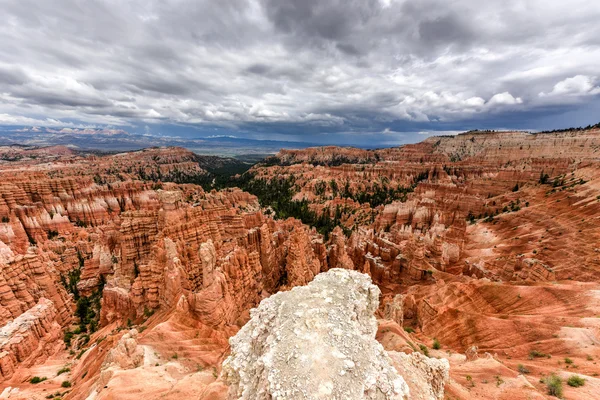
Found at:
(318, 342)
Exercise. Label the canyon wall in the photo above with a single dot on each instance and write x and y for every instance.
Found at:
(465, 237)
(74, 231)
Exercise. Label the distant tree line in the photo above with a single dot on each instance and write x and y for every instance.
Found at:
(573, 129)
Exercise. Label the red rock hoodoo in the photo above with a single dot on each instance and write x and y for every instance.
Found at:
(485, 247)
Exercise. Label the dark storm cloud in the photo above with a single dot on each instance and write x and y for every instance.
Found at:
(348, 49)
(446, 29)
(332, 20)
(301, 67)
(259, 69)
(57, 99)
(12, 76)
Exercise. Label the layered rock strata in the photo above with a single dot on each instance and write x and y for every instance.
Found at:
(29, 337)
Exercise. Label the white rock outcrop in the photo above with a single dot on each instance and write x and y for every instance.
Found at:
(127, 354)
(314, 342)
(425, 376)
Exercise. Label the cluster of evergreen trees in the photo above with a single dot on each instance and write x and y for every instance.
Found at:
(376, 194)
(278, 192)
(88, 308)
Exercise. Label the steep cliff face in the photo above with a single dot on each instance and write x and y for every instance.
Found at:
(30, 337)
(222, 258)
(25, 280)
(426, 377)
(575, 146)
(327, 155)
(105, 247)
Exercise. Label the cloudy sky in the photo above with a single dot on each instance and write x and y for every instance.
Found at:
(335, 71)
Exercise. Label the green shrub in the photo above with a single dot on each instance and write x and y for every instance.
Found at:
(522, 369)
(320, 188)
(85, 339)
(408, 329)
(93, 325)
(536, 354)
(575, 381)
(470, 380)
(436, 344)
(63, 370)
(37, 379)
(471, 218)
(67, 338)
(554, 386)
(424, 349)
(499, 380)
(66, 384)
(568, 361)
(148, 312)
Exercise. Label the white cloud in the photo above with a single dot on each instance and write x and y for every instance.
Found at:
(388, 131)
(331, 65)
(152, 114)
(579, 85)
(7, 119)
(504, 98)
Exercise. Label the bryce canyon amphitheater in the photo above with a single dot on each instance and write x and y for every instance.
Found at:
(461, 267)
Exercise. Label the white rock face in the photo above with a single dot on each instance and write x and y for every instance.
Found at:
(314, 342)
(425, 376)
(126, 354)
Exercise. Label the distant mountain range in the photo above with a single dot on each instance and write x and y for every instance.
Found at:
(119, 140)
